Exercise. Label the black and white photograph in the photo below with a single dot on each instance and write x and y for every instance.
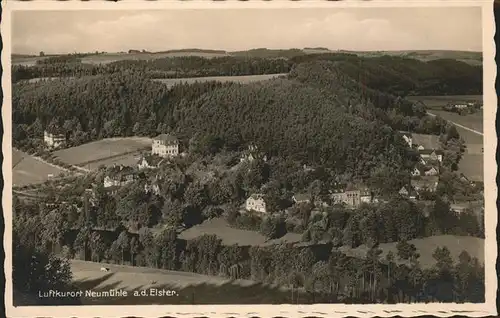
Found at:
(246, 159)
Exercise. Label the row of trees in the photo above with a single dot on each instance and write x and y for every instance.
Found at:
(319, 269)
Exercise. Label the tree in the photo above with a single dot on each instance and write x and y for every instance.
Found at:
(97, 245)
(134, 250)
(406, 251)
(34, 273)
(123, 243)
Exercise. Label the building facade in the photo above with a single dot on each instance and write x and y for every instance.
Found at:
(53, 140)
(165, 146)
(256, 203)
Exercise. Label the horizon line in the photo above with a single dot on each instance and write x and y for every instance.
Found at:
(247, 50)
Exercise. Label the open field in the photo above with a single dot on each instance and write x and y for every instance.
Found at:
(473, 121)
(28, 170)
(129, 159)
(102, 150)
(472, 165)
(231, 236)
(426, 246)
(239, 79)
(187, 288)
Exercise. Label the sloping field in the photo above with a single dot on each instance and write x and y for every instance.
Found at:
(472, 165)
(100, 150)
(231, 236)
(238, 79)
(473, 121)
(17, 156)
(29, 170)
(426, 247)
(130, 277)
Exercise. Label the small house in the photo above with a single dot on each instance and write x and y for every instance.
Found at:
(118, 176)
(408, 192)
(256, 203)
(429, 183)
(407, 136)
(431, 154)
(54, 139)
(149, 162)
(348, 195)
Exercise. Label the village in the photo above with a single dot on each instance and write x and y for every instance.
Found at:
(420, 187)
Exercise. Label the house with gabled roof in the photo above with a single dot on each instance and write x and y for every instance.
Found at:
(149, 162)
(118, 176)
(426, 183)
(256, 203)
(432, 154)
(346, 194)
(407, 136)
(54, 137)
(409, 192)
(165, 146)
(425, 141)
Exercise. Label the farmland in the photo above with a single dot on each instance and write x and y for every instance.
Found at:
(106, 151)
(239, 79)
(230, 236)
(471, 164)
(426, 246)
(28, 170)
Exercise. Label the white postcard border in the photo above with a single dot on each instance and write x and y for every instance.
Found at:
(317, 310)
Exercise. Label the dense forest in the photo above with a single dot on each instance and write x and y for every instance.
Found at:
(319, 268)
(396, 75)
(333, 114)
(337, 122)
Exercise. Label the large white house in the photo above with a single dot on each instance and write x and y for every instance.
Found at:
(53, 140)
(165, 146)
(256, 203)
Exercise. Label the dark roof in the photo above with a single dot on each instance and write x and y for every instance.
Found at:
(55, 130)
(167, 138)
(405, 133)
(302, 197)
(425, 182)
(426, 141)
(430, 151)
(257, 196)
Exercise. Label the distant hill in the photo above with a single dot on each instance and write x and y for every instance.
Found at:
(473, 58)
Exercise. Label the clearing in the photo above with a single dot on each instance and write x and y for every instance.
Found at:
(426, 246)
(105, 151)
(27, 170)
(231, 236)
(244, 79)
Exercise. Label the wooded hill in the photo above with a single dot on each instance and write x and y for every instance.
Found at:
(398, 75)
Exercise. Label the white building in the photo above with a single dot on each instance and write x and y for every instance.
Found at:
(256, 203)
(165, 146)
(407, 136)
(53, 140)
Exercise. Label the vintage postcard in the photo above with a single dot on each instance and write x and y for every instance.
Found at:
(267, 159)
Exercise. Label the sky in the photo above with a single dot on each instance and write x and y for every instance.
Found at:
(357, 29)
